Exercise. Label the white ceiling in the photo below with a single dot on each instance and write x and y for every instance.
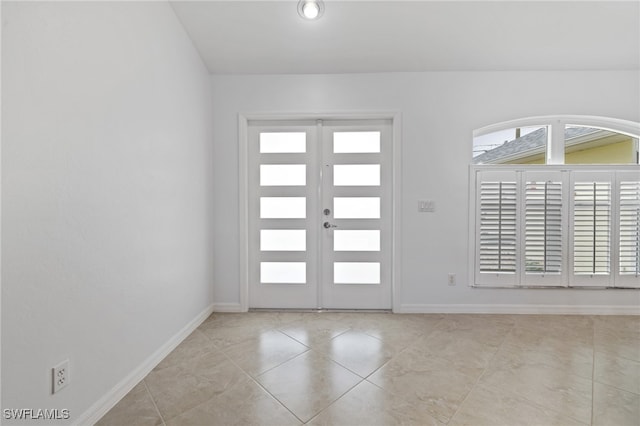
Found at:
(256, 37)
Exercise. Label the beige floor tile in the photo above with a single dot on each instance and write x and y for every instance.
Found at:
(359, 352)
(473, 322)
(548, 387)
(496, 407)
(398, 330)
(617, 372)
(424, 370)
(181, 387)
(618, 336)
(230, 332)
(135, 409)
(533, 349)
(270, 349)
(573, 328)
(433, 384)
(462, 347)
(245, 403)
(308, 383)
(315, 330)
(615, 407)
(194, 346)
(368, 405)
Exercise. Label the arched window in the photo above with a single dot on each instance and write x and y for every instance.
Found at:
(557, 140)
(557, 204)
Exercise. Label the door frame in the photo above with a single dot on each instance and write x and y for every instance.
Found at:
(396, 189)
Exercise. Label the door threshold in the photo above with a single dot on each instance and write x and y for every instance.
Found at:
(322, 310)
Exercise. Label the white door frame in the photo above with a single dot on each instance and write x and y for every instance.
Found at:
(396, 186)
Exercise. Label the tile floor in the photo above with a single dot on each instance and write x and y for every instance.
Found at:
(291, 368)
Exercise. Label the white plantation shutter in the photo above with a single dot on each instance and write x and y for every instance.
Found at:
(558, 227)
(497, 228)
(543, 227)
(629, 231)
(592, 225)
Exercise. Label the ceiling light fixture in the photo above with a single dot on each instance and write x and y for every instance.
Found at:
(310, 9)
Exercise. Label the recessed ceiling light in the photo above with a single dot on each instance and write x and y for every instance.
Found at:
(310, 9)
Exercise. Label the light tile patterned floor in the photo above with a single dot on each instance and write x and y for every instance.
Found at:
(292, 368)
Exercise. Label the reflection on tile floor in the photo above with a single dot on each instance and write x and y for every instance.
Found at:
(334, 368)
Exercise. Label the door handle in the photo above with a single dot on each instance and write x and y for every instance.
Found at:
(328, 225)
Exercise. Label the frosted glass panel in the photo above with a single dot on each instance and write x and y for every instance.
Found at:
(283, 240)
(359, 240)
(283, 175)
(356, 273)
(356, 207)
(356, 142)
(283, 272)
(356, 175)
(283, 207)
(283, 142)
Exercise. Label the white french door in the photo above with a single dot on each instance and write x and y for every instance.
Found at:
(319, 205)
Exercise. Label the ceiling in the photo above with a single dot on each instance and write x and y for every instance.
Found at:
(266, 37)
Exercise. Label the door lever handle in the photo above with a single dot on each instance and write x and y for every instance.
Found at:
(328, 225)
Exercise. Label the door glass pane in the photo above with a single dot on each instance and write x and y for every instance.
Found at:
(283, 207)
(356, 175)
(283, 175)
(589, 145)
(368, 240)
(283, 142)
(356, 142)
(356, 273)
(356, 207)
(283, 240)
(283, 272)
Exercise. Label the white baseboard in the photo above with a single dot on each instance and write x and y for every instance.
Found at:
(108, 401)
(519, 309)
(228, 307)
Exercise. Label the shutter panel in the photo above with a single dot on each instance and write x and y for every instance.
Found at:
(592, 229)
(629, 233)
(496, 228)
(543, 227)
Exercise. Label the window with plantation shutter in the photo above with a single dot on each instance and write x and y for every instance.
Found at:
(543, 227)
(556, 227)
(555, 202)
(629, 232)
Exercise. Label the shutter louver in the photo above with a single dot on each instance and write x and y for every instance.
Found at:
(629, 228)
(543, 227)
(592, 228)
(497, 249)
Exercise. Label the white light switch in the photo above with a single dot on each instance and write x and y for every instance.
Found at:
(426, 206)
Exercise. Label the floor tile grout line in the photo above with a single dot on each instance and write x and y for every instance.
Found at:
(484, 370)
(153, 400)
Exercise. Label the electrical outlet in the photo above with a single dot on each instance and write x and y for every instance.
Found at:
(60, 375)
(452, 279)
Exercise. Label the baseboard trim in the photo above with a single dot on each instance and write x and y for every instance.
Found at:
(519, 309)
(108, 401)
(228, 307)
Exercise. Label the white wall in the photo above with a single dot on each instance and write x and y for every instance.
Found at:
(106, 194)
(439, 112)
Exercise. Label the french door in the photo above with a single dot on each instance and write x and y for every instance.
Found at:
(319, 205)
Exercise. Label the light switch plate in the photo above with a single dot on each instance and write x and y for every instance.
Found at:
(426, 206)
